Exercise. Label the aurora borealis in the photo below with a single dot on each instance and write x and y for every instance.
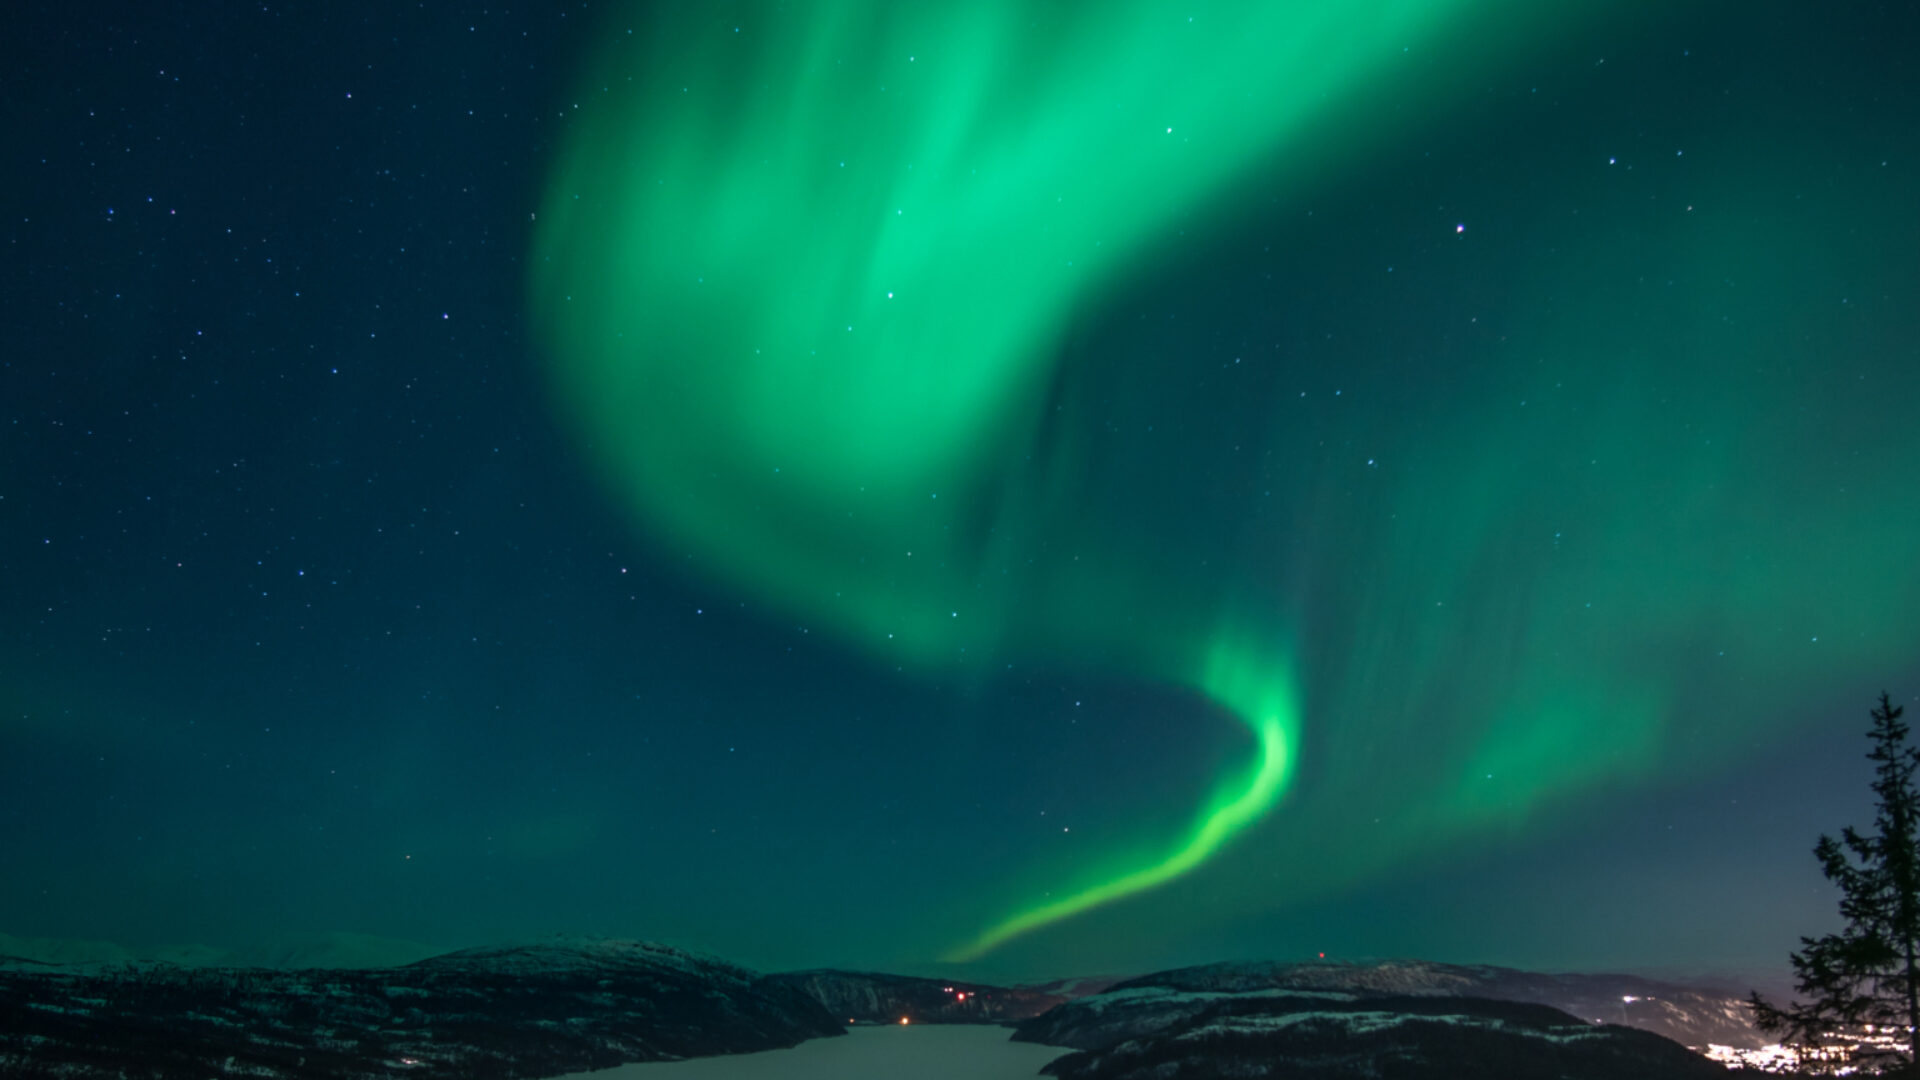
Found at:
(799, 304)
(1049, 487)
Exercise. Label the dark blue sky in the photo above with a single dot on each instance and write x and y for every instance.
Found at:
(315, 615)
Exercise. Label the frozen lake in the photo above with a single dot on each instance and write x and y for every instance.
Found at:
(919, 1052)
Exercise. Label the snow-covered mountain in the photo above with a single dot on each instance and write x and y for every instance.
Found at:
(569, 1005)
(527, 1011)
(1690, 1016)
(1337, 1035)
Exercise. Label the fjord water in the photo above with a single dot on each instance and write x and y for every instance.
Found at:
(919, 1052)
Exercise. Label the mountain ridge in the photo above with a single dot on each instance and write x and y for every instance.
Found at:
(565, 1004)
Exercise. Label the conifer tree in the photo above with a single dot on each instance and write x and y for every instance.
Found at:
(1866, 976)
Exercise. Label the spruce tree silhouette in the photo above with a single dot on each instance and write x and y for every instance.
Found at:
(1865, 979)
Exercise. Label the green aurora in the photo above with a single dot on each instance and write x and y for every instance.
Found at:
(817, 283)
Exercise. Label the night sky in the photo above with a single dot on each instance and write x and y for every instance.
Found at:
(1057, 487)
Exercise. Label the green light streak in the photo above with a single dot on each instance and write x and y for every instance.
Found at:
(1241, 682)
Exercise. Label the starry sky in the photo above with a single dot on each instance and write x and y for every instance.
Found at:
(1048, 487)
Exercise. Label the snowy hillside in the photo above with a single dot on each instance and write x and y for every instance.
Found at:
(1335, 1036)
(1689, 1016)
(529, 1011)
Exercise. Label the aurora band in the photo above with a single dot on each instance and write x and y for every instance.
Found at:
(802, 271)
